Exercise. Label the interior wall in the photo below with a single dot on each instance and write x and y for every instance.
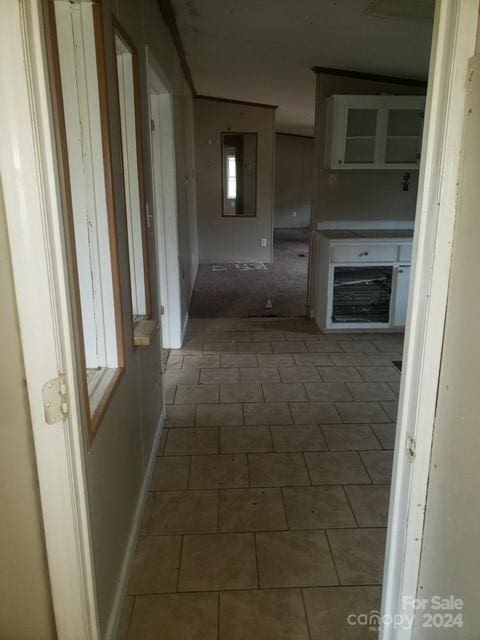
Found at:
(359, 196)
(26, 610)
(293, 181)
(450, 562)
(232, 239)
(118, 457)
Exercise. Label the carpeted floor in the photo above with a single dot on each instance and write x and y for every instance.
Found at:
(234, 293)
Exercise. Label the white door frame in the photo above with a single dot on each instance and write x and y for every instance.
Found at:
(32, 200)
(454, 36)
(165, 214)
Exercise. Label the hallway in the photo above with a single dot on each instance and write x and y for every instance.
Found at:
(268, 505)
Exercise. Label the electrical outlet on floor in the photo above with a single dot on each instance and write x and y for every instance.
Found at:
(263, 242)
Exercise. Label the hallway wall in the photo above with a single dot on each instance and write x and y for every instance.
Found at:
(293, 181)
(118, 457)
(26, 609)
(232, 239)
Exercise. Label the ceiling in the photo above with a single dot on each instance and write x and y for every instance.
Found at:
(263, 50)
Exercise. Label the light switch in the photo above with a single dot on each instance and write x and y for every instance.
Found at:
(332, 179)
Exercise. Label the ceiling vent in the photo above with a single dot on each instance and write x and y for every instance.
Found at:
(418, 10)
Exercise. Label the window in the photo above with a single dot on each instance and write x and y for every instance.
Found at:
(231, 178)
(128, 92)
(81, 56)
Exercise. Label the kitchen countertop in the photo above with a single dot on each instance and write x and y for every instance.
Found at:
(347, 234)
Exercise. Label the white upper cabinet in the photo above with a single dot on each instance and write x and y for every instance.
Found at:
(374, 132)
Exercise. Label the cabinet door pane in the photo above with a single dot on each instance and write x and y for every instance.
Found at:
(360, 139)
(404, 136)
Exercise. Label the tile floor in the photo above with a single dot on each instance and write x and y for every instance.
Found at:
(268, 504)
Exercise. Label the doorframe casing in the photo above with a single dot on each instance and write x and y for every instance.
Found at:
(454, 37)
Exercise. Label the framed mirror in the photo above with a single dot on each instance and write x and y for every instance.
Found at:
(239, 175)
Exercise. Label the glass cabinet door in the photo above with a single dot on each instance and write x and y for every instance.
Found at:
(404, 136)
(361, 136)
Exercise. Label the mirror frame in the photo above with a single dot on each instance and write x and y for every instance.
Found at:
(238, 216)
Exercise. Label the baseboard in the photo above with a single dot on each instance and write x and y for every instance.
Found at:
(365, 224)
(117, 608)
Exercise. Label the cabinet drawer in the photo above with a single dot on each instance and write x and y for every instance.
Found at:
(364, 252)
(405, 254)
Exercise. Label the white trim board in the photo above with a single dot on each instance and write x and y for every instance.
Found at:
(121, 590)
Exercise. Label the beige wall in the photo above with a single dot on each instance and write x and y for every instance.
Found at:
(232, 239)
(293, 181)
(26, 610)
(450, 563)
(359, 195)
(118, 457)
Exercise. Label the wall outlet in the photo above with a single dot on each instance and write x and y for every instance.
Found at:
(294, 214)
(332, 180)
(263, 242)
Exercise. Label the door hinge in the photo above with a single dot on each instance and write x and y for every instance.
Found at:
(411, 447)
(162, 310)
(55, 399)
(152, 125)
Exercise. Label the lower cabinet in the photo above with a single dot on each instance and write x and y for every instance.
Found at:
(361, 285)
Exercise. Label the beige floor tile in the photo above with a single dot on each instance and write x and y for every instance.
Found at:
(379, 465)
(187, 442)
(242, 392)
(263, 615)
(324, 345)
(219, 471)
(365, 391)
(170, 473)
(331, 467)
(259, 374)
(191, 346)
(384, 359)
(201, 362)
(388, 343)
(289, 347)
(379, 374)
(291, 392)
(251, 510)
(174, 361)
(299, 374)
(386, 434)
(249, 324)
(163, 441)
(182, 376)
(395, 387)
(245, 440)
(210, 415)
(216, 376)
(339, 374)
(350, 437)
(314, 413)
(254, 347)
(317, 508)
(369, 504)
(269, 335)
(277, 469)
(275, 360)
(184, 512)
(220, 324)
(155, 565)
(349, 359)
(328, 609)
(294, 559)
(180, 416)
(307, 437)
(358, 554)
(312, 359)
(267, 413)
(229, 360)
(364, 412)
(147, 512)
(327, 391)
(219, 346)
(176, 616)
(358, 346)
(391, 409)
(236, 336)
(169, 391)
(218, 561)
(306, 336)
(195, 393)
